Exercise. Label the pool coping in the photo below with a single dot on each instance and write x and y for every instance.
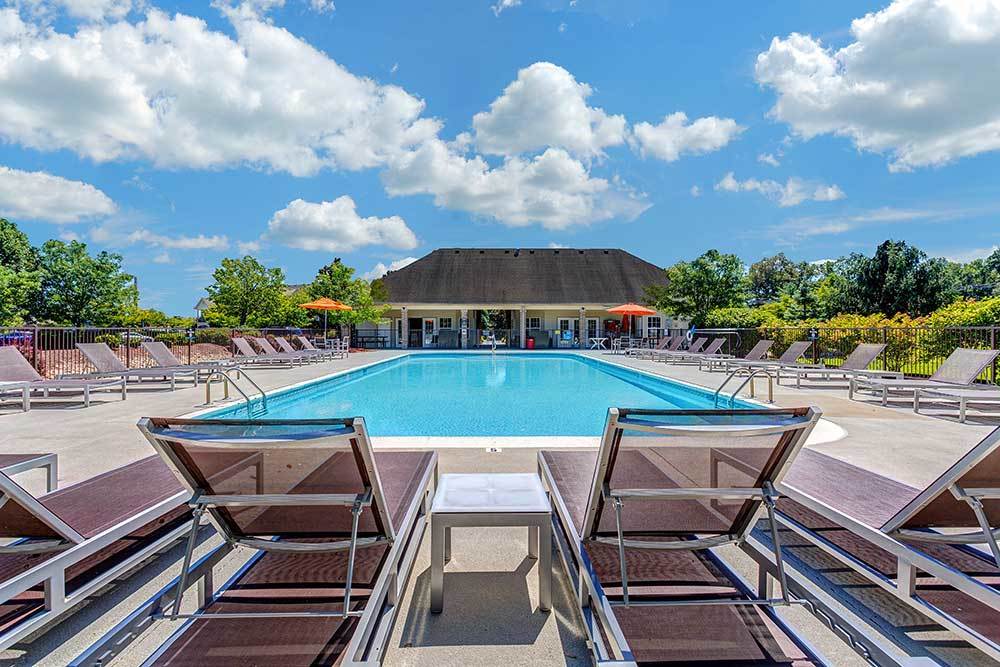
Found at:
(831, 432)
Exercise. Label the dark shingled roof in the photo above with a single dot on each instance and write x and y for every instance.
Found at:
(525, 275)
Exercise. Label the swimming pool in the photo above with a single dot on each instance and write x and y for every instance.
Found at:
(510, 394)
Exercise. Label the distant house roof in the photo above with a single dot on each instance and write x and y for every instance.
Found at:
(523, 275)
(204, 303)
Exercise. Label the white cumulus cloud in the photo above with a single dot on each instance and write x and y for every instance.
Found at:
(918, 82)
(768, 159)
(182, 242)
(792, 193)
(381, 268)
(335, 226)
(546, 106)
(37, 195)
(173, 91)
(504, 4)
(675, 136)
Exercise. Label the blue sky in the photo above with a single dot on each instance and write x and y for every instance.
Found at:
(181, 133)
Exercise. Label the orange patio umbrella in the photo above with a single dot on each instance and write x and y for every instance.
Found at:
(628, 309)
(325, 305)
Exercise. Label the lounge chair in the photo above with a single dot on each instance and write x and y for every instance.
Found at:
(696, 346)
(21, 390)
(917, 544)
(963, 397)
(107, 363)
(69, 544)
(756, 353)
(299, 356)
(790, 357)
(245, 353)
(665, 344)
(855, 365)
(712, 351)
(15, 368)
(636, 522)
(164, 358)
(959, 370)
(287, 348)
(335, 526)
(13, 464)
(307, 345)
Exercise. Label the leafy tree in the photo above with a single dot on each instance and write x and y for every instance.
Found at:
(19, 278)
(246, 292)
(714, 280)
(16, 252)
(800, 292)
(78, 288)
(336, 281)
(290, 312)
(771, 276)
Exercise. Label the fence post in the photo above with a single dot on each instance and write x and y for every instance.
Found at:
(34, 349)
(190, 337)
(993, 346)
(128, 347)
(885, 350)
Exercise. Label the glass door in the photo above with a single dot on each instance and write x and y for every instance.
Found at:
(428, 332)
(568, 329)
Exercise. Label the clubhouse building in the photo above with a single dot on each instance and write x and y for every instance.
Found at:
(535, 298)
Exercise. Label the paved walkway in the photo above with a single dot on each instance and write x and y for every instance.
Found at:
(491, 591)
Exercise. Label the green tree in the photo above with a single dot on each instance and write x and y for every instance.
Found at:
(336, 281)
(247, 292)
(16, 252)
(769, 277)
(78, 288)
(19, 277)
(714, 280)
(290, 312)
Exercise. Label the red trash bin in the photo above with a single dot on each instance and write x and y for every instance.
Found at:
(531, 343)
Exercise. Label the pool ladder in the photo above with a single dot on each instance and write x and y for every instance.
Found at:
(227, 379)
(751, 375)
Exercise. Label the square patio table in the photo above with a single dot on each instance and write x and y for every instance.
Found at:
(12, 464)
(491, 500)
(23, 387)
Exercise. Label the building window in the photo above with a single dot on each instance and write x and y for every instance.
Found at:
(653, 323)
(534, 323)
(444, 323)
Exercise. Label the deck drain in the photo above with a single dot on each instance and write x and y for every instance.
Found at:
(493, 450)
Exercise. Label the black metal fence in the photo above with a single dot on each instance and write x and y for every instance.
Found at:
(916, 351)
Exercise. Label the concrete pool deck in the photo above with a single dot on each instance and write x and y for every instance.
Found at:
(487, 564)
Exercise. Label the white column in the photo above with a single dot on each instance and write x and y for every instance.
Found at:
(524, 327)
(406, 327)
(583, 328)
(463, 322)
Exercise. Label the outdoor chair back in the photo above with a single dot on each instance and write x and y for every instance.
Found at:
(285, 345)
(265, 345)
(305, 342)
(14, 367)
(161, 354)
(963, 366)
(243, 347)
(759, 350)
(794, 351)
(695, 347)
(102, 357)
(22, 516)
(861, 356)
(714, 346)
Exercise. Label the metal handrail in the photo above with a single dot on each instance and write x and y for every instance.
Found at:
(223, 374)
(751, 374)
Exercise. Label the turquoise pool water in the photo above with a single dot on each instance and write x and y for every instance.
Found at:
(444, 394)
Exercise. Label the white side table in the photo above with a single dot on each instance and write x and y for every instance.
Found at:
(491, 500)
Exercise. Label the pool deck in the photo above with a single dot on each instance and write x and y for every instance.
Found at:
(488, 564)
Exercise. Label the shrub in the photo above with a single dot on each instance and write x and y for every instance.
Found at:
(213, 336)
(112, 340)
(172, 338)
(940, 340)
(741, 318)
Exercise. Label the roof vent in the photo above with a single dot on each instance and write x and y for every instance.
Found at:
(456, 252)
(506, 252)
(557, 252)
(517, 252)
(531, 252)
(606, 252)
(482, 252)
(580, 251)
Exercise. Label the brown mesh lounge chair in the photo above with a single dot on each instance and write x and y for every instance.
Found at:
(978, 397)
(960, 369)
(287, 348)
(665, 344)
(15, 368)
(298, 357)
(790, 357)
(694, 348)
(107, 363)
(712, 351)
(307, 344)
(335, 527)
(65, 546)
(636, 522)
(756, 353)
(916, 544)
(245, 353)
(855, 365)
(164, 358)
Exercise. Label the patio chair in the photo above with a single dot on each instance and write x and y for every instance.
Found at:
(308, 345)
(855, 365)
(934, 549)
(335, 526)
(756, 353)
(245, 353)
(712, 351)
(636, 522)
(665, 344)
(296, 356)
(65, 546)
(695, 347)
(164, 358)
(790, 357)
(107, 363)
(288, 348)
(959, 370)
(15, 368)
(978, 397)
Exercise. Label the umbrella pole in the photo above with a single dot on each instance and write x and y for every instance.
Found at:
(324, 325)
